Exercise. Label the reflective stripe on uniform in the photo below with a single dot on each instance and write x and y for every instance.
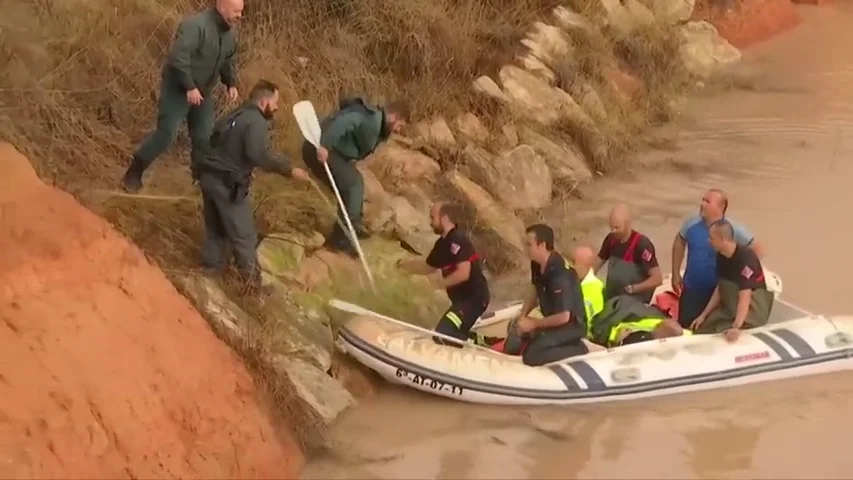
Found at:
(644, 325)
(454, 319)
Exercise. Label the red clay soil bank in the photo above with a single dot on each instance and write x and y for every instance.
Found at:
(106, 371)
(748, 21)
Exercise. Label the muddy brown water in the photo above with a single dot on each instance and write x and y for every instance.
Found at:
(783, 150)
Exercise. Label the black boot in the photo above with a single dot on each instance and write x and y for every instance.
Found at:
(361, 232)
(132, 180)
(338, 241)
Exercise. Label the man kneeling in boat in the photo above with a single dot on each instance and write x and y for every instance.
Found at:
(461, 275)
(560, 334)
(741, 298)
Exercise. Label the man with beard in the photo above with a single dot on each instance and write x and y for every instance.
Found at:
(202, 53)
(461, 275)
(239, 144)
(348, 136)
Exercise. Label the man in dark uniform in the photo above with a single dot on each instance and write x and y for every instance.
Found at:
(239, 144)
(559, 297)
(461, 274)
(203, 50)
(348, 136)
(741, 298)
(632, 265)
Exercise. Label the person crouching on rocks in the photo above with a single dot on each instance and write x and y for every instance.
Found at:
(741, 298)
(461, 275)
(348, 136)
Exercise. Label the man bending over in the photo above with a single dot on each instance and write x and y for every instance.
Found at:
(461, 274)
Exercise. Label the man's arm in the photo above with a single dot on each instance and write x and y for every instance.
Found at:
(648, 260)
(531, 302)
(749, 277)
(228, 71)
(562, 290)
(257, 149)
(461, 274)
(187, 40)
(713, 303)
(416, 266)
(744, 297)
(603, 253)
(367, 135)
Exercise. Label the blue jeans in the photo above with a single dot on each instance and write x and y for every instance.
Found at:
(691, 303)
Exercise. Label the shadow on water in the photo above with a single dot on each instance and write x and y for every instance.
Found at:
(782, 151)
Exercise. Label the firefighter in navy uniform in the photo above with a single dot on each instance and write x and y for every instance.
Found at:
(560, 334)
(461, 275)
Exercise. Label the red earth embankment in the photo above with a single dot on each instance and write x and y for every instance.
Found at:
(106, 371)
(746, 22)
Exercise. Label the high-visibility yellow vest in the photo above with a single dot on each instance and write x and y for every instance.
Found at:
(593, 298)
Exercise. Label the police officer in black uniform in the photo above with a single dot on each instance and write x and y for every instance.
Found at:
(461, 274)
(239, 144)
(558, 294)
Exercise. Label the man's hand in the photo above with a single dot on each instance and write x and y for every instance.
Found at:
(194, 97)
(677, 283)
(300, 174)
(697, 322)
(322, 154)
(731, 335)
(233, 94)
(525, 325)
(629, 289)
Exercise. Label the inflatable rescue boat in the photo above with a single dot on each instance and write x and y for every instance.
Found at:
(794, 343)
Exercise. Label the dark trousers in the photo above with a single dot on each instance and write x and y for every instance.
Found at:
(546, 345)
(172, 110)
(350, 185)
(458, 320)
(228, 221)
(691, 303)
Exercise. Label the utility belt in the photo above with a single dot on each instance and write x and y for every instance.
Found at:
(237, 184)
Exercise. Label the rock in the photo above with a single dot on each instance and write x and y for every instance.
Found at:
(589, 100)
(435, 132)
(359, 380)
(539, 101)
(377, 215)
(488, 87)
(538, 68)
(626, 16)
(625, 84)
(704, 51)
(671, 11)
(500, 233)
(548, 43)
(520, 178)
(313, 272)
(471, 126)
(280, 257)
(224, 316)
(564, 161)
(397, 168)
(569, 20)
(412, 226)
(510, 133)
(324, 395)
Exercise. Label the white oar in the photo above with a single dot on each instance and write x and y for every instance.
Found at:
(309, 124)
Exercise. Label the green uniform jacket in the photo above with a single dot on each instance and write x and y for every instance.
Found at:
(354, 131)
(203, 50)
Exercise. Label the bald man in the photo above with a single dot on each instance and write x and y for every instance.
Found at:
(632, 264)
(203, 51)
(740, 299)
(700, 275)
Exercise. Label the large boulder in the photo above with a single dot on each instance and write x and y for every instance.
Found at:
(571, 21)
(565, 162)
(280, 254)
(300, 343)
(626, 16)
(671, 11)
(435, 132)
(548, 43)
(520, 178)
(471, 127)
(397, 168)
(499, 233)
(704, 51)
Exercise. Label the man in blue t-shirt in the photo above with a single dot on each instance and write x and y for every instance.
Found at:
(700, 275)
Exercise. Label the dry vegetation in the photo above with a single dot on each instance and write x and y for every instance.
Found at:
(78, 81)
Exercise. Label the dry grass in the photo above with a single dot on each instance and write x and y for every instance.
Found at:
(79, 79)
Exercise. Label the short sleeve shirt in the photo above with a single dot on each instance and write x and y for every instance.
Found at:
(701, 270)
(558, 288)
(743, 269)
(643, 251)
(446, 255)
